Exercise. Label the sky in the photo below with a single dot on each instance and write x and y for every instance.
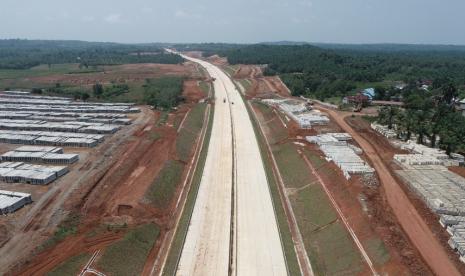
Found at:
(236, 21)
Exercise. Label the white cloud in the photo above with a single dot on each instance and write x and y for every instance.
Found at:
(181, 13)
(147, 10)
(88, 18)
(297, 20)
(185, 14)
(113, 18)
(306, 3)
(64, 15)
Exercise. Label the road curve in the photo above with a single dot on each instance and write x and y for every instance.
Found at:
(233, 229)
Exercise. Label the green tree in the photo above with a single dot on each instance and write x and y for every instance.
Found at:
(449, 92)
(380, 93)
(85, 96)
(98, 90)
(387, 115)
(453, 132)
(36, 91)
(405, 124)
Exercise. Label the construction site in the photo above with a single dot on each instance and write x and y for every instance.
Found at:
(78, 177)
(26, 121)
(30, 120)
(334, 193)
(367, 173)
(300, 112)
(425, 171)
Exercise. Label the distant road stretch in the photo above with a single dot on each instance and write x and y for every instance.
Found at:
(233, 227)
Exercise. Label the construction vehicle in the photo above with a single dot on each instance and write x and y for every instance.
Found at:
(359, 101)
(357, 108)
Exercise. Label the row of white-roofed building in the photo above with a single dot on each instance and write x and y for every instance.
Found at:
(104, 118)
(88, 108)
(48, 155)
(343, 154)
(48, 138)
(12, 201)
(45, 124)
(69, 126)
(299, 112)
(19, 172)
(26, 97)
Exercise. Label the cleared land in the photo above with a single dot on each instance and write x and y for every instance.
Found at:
(386, 151)
(376, 228)
(323, 235)
(412, 223)
(106, 192)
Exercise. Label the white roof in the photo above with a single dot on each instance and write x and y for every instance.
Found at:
(6, 200)
(37, 149)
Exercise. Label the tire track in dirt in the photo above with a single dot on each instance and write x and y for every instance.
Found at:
(410, 220)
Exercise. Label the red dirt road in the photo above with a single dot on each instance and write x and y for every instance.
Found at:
(408, 217)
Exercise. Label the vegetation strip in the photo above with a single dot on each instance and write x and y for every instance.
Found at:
(174, 254)
(71, 267)
(163, 188)
(341, 215)
(187, 134)
(128, 256)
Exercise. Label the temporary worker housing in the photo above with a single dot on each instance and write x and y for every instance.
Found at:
(12, 201)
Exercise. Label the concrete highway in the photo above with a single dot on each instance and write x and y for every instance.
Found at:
(233, 229)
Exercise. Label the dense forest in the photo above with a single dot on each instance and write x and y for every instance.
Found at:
(325, 73)
(24, 54)
(429, 114)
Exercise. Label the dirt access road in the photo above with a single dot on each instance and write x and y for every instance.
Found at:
(410, 220)
(233, 227)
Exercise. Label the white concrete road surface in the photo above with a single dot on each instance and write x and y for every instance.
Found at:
(233, 227)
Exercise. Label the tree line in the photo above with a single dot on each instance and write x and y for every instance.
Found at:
(324, 73)
(24, 54)
(430, 114)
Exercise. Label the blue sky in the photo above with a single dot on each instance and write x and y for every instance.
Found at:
(241, 21)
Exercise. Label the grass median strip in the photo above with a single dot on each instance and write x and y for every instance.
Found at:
(190, 130)
(128, 256)
(296, 174)
(205, 86)
(71, 267)
(181, 231)
(245, 83)
(163, 188)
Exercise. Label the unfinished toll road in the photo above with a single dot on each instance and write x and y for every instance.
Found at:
(233, 228)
